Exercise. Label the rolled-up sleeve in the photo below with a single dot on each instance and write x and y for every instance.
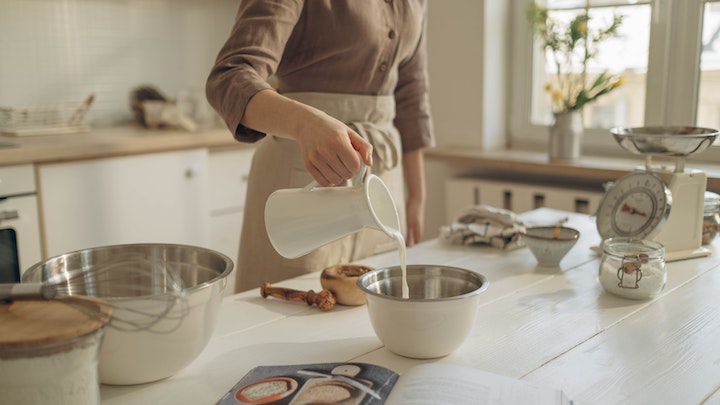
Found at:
(413, 118)
(248, 58)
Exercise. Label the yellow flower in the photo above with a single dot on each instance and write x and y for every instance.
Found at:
(570, 47)
(557, 96)
(582, 27)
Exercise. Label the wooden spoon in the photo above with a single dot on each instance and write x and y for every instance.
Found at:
(325, 300)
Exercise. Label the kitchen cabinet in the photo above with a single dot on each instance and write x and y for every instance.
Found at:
(464, 192)
(20, 244)
(228, 173)
(145, 198)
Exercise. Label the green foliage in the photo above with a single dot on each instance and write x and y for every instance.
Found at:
(572, 46)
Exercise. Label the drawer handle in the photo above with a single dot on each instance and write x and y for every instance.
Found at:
(7, 215)
(191, 172)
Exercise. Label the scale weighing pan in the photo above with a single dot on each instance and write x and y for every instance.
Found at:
(681, 232)
(678, 142)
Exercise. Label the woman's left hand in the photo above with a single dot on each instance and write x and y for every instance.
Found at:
(415, 221)
(414, 175)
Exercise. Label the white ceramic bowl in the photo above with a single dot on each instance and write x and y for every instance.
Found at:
(550, 244)
(435, 320)
(153, 332)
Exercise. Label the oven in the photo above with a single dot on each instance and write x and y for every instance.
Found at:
(20, 245)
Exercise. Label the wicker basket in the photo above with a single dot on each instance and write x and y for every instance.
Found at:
(48, 119)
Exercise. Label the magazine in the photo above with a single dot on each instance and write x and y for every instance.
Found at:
(367, 384)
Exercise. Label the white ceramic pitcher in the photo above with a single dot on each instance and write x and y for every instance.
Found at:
(301, 220)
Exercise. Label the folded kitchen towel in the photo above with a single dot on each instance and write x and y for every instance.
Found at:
(484, 225)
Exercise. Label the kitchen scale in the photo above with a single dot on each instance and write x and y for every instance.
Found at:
(657, 202)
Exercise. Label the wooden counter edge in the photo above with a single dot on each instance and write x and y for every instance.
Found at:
(110, 142)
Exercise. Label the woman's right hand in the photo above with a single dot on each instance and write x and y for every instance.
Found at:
(329, 147)
(332, 152)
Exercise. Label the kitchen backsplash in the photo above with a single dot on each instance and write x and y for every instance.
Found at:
(55, 51)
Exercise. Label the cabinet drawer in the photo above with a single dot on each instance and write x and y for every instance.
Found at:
(228, 171)
(225, 238)
(148, 198)
(18, 179)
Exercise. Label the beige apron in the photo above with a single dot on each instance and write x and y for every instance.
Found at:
(278, 164)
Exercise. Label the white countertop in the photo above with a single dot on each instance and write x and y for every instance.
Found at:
(550, 326)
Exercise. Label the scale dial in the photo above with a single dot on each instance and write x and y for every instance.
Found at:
(636, 206)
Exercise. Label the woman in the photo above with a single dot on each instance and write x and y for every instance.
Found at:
(351, 90)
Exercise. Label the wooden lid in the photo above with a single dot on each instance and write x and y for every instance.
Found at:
(27, 323)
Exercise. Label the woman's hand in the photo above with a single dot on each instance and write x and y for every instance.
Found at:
(414, 175)
(329, 147)
(415, 216)
(332, 152)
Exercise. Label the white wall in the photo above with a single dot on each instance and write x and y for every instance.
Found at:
(468, 61)
(55, 51)
(467, 45)
(455, 63)
(59, 51)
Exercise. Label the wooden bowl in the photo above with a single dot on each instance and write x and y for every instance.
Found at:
(341, 279)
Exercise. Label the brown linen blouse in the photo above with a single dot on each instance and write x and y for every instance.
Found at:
(366, 47)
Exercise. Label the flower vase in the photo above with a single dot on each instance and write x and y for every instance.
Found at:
(566, 136)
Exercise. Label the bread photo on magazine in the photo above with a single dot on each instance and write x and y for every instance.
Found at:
(368, 384)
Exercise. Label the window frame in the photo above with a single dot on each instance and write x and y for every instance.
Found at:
(673, 75)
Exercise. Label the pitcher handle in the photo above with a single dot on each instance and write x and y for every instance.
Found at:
(365, 173)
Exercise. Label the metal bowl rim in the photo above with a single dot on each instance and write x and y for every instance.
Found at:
(658, 131)
(480, 277)
(224, 274)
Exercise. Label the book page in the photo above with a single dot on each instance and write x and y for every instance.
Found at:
(447, 384)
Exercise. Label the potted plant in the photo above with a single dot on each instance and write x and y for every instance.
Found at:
(571, 46)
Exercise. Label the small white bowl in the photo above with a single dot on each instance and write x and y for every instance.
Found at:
(435, 320)
(550, 244)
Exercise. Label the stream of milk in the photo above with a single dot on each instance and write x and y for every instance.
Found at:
(398, 236)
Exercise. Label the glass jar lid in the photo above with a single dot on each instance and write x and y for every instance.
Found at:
(623, 247)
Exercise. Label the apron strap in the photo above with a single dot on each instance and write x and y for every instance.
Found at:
(382, 141)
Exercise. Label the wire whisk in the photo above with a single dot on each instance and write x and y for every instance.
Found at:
(144, 294)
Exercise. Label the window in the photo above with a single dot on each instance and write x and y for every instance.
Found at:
(708, 106)
(668, 52)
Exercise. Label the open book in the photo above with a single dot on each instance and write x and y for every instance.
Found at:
(365, 384)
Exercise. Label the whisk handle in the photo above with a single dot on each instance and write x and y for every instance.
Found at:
(26, 290)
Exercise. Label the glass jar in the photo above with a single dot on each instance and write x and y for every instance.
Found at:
(711, 217)
(632, 268)
(49, 350)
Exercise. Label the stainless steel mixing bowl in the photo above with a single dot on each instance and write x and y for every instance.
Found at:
(159, 326)
(436, 318)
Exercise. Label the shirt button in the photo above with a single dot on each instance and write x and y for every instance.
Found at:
(383, 67)
(391, 34)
